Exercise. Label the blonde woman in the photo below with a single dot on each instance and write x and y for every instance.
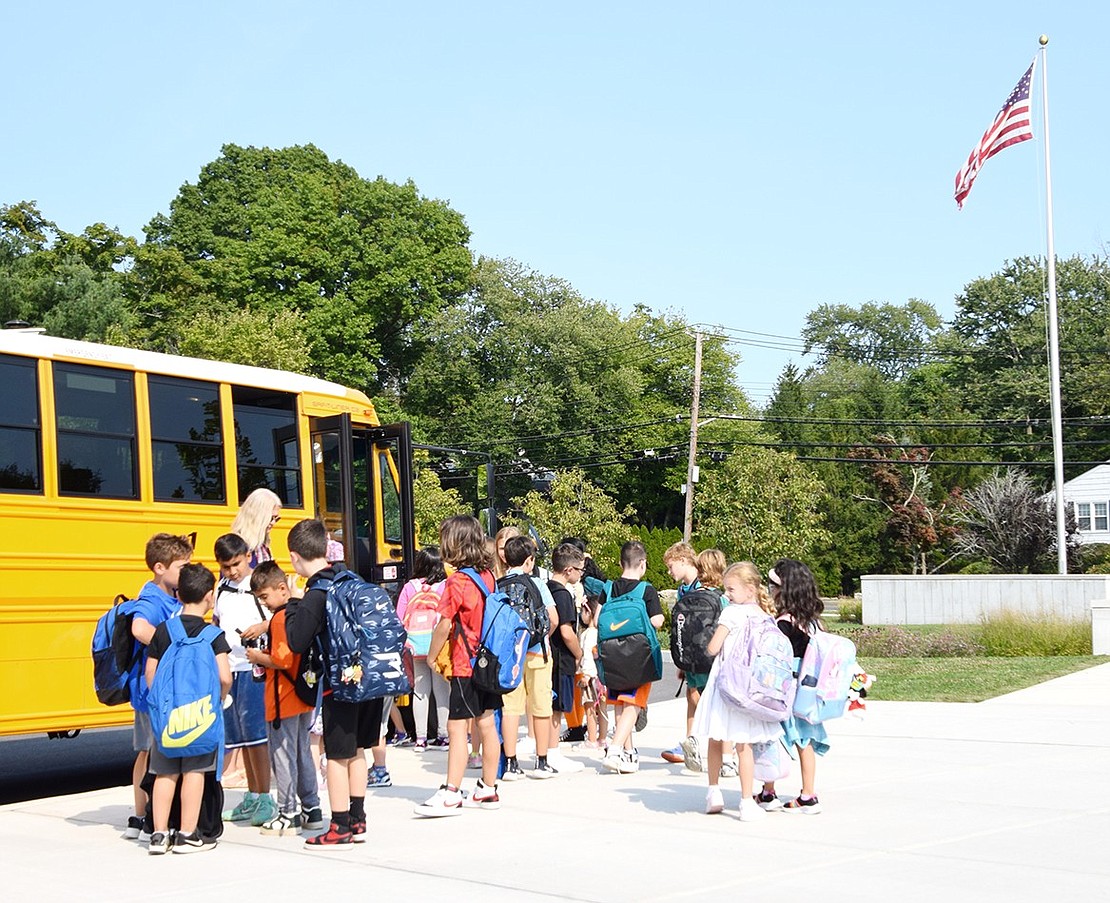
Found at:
(257, 516)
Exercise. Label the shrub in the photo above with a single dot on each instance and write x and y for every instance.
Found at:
(976, 567)
(948, 644)
(886, 642)
(1094, 558)
(1010, 633)
(851, 611)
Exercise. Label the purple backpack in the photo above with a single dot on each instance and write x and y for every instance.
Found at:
(757, 675)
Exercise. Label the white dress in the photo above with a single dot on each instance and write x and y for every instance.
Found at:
(717, 719)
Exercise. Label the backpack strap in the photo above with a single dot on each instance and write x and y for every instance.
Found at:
(177, 630)
(481, 584)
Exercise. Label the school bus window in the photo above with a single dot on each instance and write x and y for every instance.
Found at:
(187, 442)
(96, 431)
(20, 431)
(391, 499)
(266, 444)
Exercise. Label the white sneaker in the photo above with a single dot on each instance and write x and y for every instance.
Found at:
(729, 769)
(767, 802)
(714, 801)
(691, 753)
(563, 764)
(750, 811)
(612, 761)
(443, 802)
(629, 762)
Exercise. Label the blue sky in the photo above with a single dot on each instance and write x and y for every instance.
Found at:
(739, 165)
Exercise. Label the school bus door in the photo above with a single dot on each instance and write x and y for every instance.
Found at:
(363, 482)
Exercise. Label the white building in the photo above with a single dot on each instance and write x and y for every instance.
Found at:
(1088, 495)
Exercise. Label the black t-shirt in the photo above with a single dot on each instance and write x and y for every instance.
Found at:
(623, 585)
(193, 625)
(565, 662)
(799, 639)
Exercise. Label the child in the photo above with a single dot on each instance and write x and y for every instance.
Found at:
(682, 563)
(535, 688)
(597, 724)
(289, 718)
(350, 728)
(244, 621)
(429, 685)
(166, 555)
(567, 562)
(715, 718)
(799, 606)
(194, 587)
(463, 545)
(630, 702)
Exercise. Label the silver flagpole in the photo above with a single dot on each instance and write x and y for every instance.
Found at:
(1053, 338)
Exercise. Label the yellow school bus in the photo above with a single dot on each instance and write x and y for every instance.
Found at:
(101, 447)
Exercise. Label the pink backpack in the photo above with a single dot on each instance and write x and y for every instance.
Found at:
(421, 617)
(825, 676)
(757, 675)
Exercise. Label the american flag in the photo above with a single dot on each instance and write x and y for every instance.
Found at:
(1012, 125)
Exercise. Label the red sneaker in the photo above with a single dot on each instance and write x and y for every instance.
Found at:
(333, 838)
(358, 831)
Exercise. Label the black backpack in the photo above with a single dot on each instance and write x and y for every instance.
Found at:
(693, 622)
(525, 598)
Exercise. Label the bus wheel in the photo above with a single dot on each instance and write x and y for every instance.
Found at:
(63, 735)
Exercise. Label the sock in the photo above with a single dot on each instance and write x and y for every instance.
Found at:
(510, 760)
(358, 808)
(342, 821)
(541, 761)
(803, 796)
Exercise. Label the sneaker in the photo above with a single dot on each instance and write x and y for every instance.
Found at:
(750, 810)
(673, 755)
(420, 745)
(312, 819)
(358, 830)
(474, 761)
(612, 760)
(265, 810)
(543, 770)
(714, 801)
(159, 844)
(282, 824)
(134, 828)
(192, 843)
(513, 771)
(729, 769)
(691, 754)
(145, 834)
(573, 734)
(400, 739)
(443, 802)
(803, 806)
(483, 797)
(244, 810)
(767, 801)
(379, 777)
(439, 743)
(641, 719)
(334, 838)
(564, 765)
(630, 762)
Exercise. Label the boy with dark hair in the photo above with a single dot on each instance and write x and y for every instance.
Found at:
(567, 563)
(166, 554)
(194, 589)
(244, 621)
(349, 728)
(628, 702)
(289, 718)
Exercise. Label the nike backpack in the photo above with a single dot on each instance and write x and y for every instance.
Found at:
(628, 650)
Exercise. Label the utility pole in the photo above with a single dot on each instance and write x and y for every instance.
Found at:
(692, 467)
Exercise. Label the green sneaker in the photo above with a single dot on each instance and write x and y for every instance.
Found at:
(244, 810)
(267, 809)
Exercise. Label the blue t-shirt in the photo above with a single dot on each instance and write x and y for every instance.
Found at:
(155, 606)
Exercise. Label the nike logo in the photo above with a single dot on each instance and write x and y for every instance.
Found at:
(617, 625)
(194, 718)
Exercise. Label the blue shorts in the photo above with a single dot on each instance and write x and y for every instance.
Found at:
(245, 720)
(563, 689)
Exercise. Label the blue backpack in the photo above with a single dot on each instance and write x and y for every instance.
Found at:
(365, 651)
(498, 663)
(628, 649)
(186, 711)
(116, 654)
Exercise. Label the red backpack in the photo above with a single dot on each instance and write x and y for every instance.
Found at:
(421, 617)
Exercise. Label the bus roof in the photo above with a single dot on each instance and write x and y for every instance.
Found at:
(34, 343)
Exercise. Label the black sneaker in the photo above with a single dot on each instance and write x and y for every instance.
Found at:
(159, 844)
(641, 719)
(803, 806)
(573, 734)
(191, 843)
(134, 828)
(513, 771)
(312, 819)
(543, 770)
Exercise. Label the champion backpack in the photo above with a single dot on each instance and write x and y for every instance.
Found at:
(116, 654)
(521, 591)
(497, 664)
(757, 673)
(628, 649)
(186, 711)
(693, 623)
(364, 651)
(825, 676)
(421, 617)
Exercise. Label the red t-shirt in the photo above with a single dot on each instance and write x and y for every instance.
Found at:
(463, 601)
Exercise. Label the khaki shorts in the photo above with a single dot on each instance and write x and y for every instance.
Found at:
(535, 689)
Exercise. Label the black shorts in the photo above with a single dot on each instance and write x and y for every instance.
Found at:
(350, 726)
(563, 690)
(467, 701)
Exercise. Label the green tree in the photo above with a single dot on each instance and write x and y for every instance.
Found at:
(242, 336)
(432, 504)
(365, 262)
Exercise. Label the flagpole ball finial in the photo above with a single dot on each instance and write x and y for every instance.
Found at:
(1043, 40)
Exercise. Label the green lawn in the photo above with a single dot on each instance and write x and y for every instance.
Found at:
(965, 679)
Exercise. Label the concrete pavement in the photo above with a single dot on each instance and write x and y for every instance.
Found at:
(998, 801)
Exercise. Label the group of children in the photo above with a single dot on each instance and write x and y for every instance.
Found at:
(265, 632)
